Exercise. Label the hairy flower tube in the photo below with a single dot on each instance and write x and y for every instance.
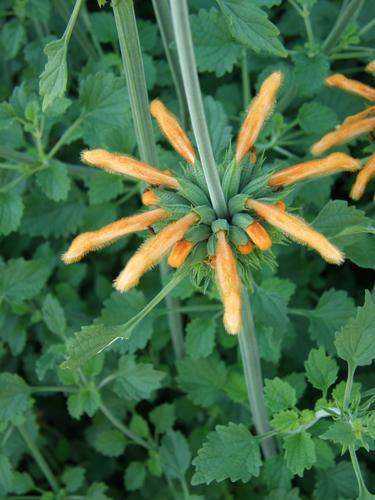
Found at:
(352, 127)
(185, 226)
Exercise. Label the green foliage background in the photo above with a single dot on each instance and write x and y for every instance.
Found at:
(134, 421)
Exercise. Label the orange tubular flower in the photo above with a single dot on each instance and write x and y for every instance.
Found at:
(179, 253)
(259, 110)
(280, 205)
(371, 67)
(363, 178)
(173, 131)
(315, 168)
(149, 199)
(126, 165)
(343, 134)
(245, 249)
(297, 229)
(95, 240)
(228, 283)
(152, 251)
(259, 236)
(352, 86)
(359, 116)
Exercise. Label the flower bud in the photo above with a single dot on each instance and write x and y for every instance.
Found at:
(179, 253)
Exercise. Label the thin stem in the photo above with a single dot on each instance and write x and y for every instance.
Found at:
(10, 154)
(358, 474)
(253, 375)
(39, 459)
(347, 16)
(122, 428)
(185, 50)
(135, 78)
(367, 27)
(48, 389)
(245, 79)
(185, 489)
(61, 142)
(164, 20)
(349, 386)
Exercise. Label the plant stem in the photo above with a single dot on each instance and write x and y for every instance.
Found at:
(185, 50)
(61, 142)
(367, 27)
(349, 385)
(122, 428)
(39, 459)
(164, 20)
(358, 474)
(135, 78)
(47, 389)
(347, 16)
(245, 80)
(253, 375)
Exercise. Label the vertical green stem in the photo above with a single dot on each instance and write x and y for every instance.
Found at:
(164, 19)
(346, 16)
(363, 491)
(185, 50)
(245, 80)
(39, 459)
(253, 375)
(135, 78)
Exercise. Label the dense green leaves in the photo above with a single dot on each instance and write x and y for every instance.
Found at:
(229, 452)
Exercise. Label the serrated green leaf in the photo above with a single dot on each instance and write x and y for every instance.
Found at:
(104, 187)
(111, 443)
(201, 379)
(11, 210)
(310, 72)
(13, 35)
(340, 433)
(355, 343)
(218, 125)
(333, 310)
(315, 118)
(6, 473)
(163, 417)
(73, 478)
(299, 452)
(279, 395)
(175, 455)
(53, 80)
(321, 370)
(276, 473)
(53, 315)
(285, 421)
(230, 452)
(54, 181)
(215, 48)
(23, 279)
(200, 337)
(136, 381)
(86, 400)
(135, 476)
(337, 482)
(14, 396)
(250, 26)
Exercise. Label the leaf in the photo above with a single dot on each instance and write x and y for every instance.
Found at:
(53, 80)
(14, 396)
(200, 337)
(201, 379)
(136, 381)
(175, 455)
(104, 187)
(13, 36)
(6, 473)
(217, 121)
(11, 210)
(135, 476)
(332, 311)
(250, 26)
(163, 417)
(355, 343)
(315, 118)
(285, 421)
(279, 395)
(337, 482)
(310, 72)
(340, 433)
(111, 443)
(321, 370)
(299, 452)
(73, 478)
(23, 279)
(54, 181)
(230, 452)
(53, 315)
(215, 49)
(276, 473)
(86, 400)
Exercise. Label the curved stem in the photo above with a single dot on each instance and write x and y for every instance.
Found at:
(253, 375)
(363, 491)
(185, 50)
(39, 459)
(346, 16)
(164, 20)
(349, 386)
(135, 78)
